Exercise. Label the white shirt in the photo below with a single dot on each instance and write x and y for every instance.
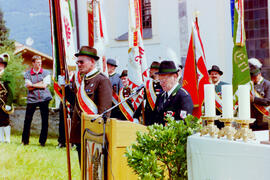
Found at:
(91, 72)
(173, 88)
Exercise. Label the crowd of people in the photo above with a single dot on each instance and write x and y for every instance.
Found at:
(163, 93)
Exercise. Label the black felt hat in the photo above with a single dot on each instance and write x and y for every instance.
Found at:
(124, 73)
(215, 68)
(155, 65)
(167, 67)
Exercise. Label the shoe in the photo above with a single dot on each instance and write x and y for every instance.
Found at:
(23, 143)
(60, 145)
(42, 144)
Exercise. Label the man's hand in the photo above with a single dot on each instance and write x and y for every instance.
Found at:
(61, 80)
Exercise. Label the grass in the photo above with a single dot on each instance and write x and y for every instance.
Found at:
(18, 162)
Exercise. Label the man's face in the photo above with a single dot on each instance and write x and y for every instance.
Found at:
(37, 64)
(111, 68)
(256, 79)
(124, 80)
(85, 64)
(215, 76)
(167, 81)
(152, 73)
(2, 66)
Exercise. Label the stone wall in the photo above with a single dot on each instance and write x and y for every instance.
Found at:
(17, 121)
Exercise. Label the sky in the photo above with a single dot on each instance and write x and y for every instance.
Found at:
(29, 19)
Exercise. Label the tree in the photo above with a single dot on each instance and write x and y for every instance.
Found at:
(14, 70)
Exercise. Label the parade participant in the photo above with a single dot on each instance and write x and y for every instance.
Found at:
(152, 90)
(126, 108)
(97, 87)
(174, 99)
(260, 98)
(36, 81)
(116, 86)
(6, 98)
(215, 73)
(124, 78)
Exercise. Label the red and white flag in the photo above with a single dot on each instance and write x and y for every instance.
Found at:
(137, 66)
(195, 73)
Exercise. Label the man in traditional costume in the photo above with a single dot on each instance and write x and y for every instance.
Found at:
(6, 98)
(174, 99)
(152, 90)
(116, 86)
(260, 96)
(97, 88)
(215, 73)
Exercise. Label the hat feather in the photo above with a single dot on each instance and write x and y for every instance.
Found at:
(255, 62)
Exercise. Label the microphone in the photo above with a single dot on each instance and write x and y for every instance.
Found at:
(139, 88)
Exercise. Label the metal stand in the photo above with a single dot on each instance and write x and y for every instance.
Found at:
(210, 128)
(228, 130)
(244, 132)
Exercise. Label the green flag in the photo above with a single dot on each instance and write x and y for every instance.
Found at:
(240, 59)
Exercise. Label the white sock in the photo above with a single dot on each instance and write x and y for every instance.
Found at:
(7, 133)
(1, 134)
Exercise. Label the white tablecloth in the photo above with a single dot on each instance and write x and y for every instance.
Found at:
(220, 159)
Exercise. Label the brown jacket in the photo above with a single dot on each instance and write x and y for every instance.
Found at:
(99, 89)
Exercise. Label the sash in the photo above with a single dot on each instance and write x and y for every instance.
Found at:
(85, 103)
(124, 107)
(263, 109)
(150, 93)
(218, 103)
(115, 97)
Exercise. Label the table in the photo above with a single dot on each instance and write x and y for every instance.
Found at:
(221, 159)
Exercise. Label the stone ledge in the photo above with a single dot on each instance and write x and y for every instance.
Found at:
(17, 121)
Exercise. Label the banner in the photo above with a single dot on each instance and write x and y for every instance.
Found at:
(137, 66)
(241, 73)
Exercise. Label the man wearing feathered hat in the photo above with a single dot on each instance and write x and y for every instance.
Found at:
(6, 98)
(174, 99)
(260, 98)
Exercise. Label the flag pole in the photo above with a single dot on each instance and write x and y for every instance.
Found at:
(77, 24)
(141, 30)
(63, 73)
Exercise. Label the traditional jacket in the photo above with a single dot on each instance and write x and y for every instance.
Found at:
(98, 88)
(6, 98)
(179, 103)
(116, 86)
(263, 89)
(149, 113)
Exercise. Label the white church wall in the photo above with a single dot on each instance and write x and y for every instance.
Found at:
(164, 43)
(215, 27)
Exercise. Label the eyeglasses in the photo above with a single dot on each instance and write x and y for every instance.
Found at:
(80, 62)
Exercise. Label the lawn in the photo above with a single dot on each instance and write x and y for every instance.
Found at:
(18, 162)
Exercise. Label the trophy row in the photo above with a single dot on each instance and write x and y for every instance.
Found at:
(243, 118)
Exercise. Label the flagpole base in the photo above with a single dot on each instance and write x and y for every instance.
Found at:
(228, 130)
(210, 128)
(244, 132)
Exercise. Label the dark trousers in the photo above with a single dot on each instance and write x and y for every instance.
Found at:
(62, 136)
(44, 111)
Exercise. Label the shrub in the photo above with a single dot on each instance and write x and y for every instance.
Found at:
(161, 153)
